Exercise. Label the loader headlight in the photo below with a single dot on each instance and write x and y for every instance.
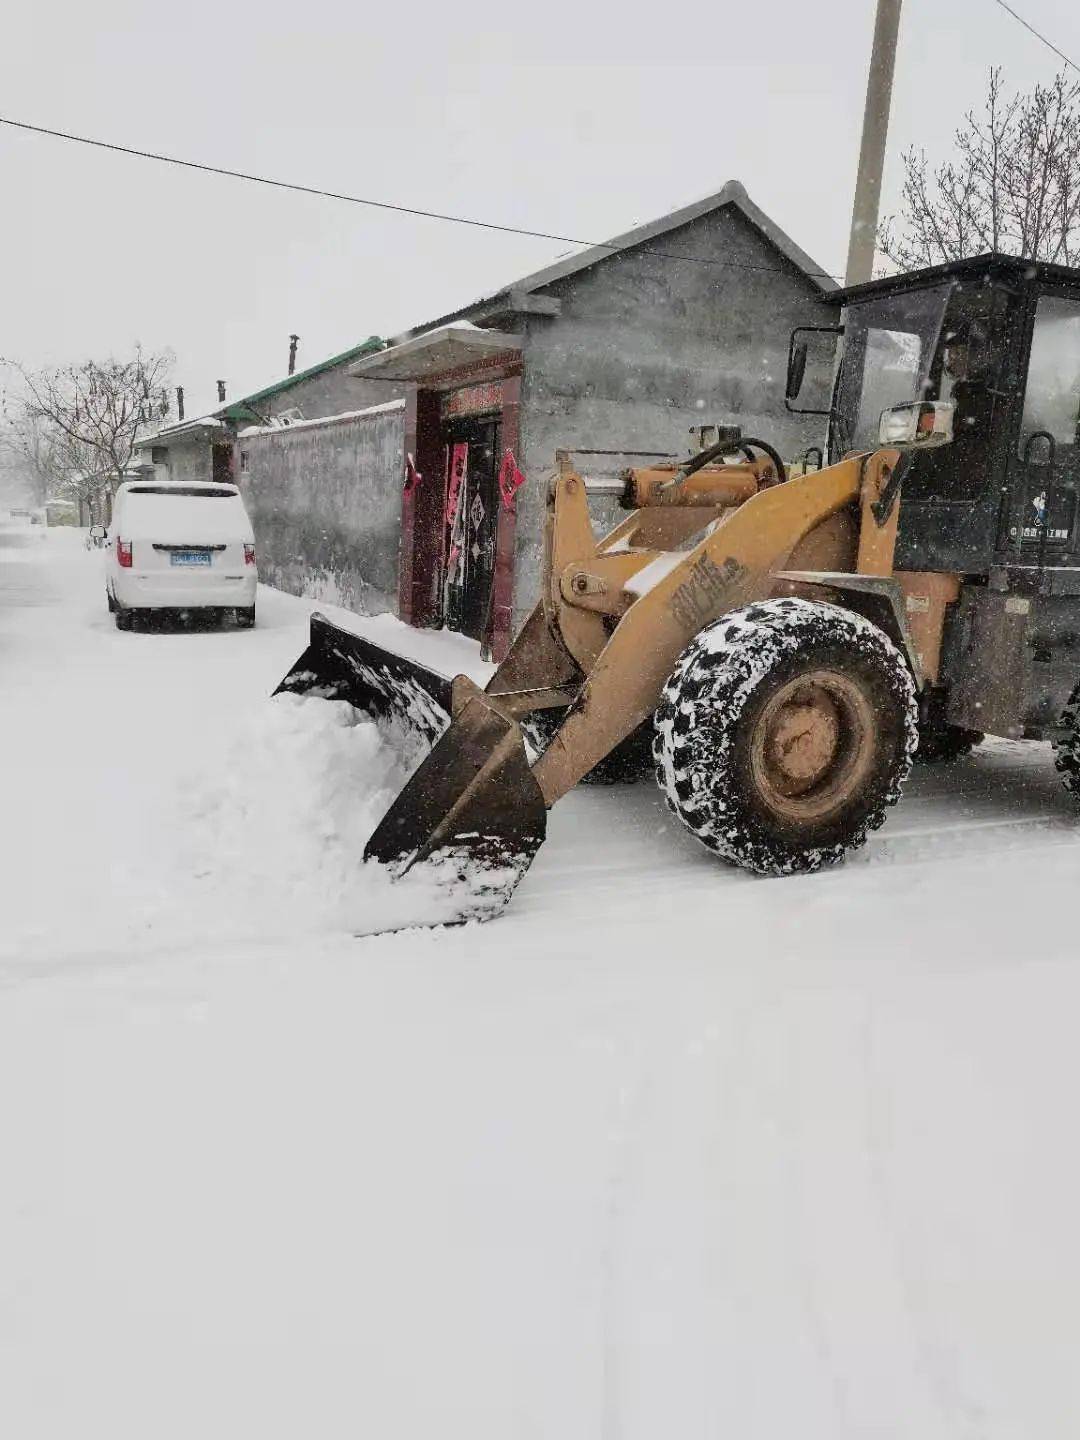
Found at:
(922, 423)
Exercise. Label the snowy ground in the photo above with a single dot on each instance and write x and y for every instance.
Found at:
(666, 1151)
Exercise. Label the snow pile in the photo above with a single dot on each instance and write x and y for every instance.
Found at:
(263, 841)
(273, 834)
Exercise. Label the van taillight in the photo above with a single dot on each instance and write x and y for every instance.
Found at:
(249, 555)
(123, 554)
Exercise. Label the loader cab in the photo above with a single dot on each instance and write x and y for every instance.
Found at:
(1000, 338)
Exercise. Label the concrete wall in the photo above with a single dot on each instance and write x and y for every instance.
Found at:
(325, 501)
(647, 346)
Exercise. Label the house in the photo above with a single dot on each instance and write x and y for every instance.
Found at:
(203, 448)
(626, 347)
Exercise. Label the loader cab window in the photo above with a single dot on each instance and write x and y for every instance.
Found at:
(889, 343)
(892, 363)
(1052, 394)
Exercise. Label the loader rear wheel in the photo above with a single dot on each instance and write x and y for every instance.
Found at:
(786, 731)
(1067, 745)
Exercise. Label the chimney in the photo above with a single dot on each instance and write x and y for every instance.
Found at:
(180, 402)
(221, 392)
(294, 340)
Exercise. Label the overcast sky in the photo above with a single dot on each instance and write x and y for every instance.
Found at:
(577, 118)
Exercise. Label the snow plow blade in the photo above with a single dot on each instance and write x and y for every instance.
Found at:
(472, 813)
(339, 665)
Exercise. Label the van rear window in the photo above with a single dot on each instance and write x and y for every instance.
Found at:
(193, 492)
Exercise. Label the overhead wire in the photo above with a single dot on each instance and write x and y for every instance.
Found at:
(442, 216)
(1038, 35)
(301, 189)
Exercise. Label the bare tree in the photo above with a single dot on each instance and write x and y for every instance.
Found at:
(1013, 184)
(90, 415)
(30, 453)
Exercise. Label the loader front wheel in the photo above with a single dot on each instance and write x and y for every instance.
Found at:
(785, 732)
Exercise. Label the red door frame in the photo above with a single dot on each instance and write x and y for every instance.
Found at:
(501, 611)
(423, 529)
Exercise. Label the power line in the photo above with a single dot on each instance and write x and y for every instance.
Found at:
(385, 204)
(1038, 35)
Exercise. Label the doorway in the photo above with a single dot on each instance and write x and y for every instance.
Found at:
(221, 467)
(470, 456)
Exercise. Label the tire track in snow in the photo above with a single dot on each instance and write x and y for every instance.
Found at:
(649, 1127)
(965, 1416)
(851, 1266)
(778, 1301)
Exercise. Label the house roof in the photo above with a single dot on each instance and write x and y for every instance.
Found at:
(239, 409)
(182, 430)
(496, 307)
(243, 409)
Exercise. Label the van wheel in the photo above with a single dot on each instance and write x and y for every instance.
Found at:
(110, 602)
(245, 616)
(124, 618)
(784, 734)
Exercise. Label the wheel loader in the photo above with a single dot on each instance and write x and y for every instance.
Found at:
(779, 645)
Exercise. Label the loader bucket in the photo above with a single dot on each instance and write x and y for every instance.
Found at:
(472, 814)
(471, 817)
(339, 665)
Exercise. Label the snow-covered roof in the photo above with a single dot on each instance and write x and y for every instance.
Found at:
(183, 430)
(383, 409)
(444, 348)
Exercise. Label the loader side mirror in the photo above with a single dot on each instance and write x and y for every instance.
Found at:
(919, 425)
(796, 369)
(796, 365)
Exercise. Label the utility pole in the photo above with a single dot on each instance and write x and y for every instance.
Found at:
(864, 215)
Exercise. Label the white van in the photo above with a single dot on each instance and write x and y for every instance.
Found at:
(179, 546)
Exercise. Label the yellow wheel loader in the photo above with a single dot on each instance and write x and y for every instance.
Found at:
(782, 644)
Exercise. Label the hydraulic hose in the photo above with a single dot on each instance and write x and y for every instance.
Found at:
(725, 447)
(748, 446)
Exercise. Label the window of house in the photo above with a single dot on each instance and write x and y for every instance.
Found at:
(1052, 396)
(159, 454)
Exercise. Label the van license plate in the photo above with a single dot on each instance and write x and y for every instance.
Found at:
(190, 557)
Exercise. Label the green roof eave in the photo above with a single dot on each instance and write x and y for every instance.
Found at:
(239, 409)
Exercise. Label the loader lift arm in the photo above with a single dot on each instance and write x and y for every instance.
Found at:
(613, 618)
